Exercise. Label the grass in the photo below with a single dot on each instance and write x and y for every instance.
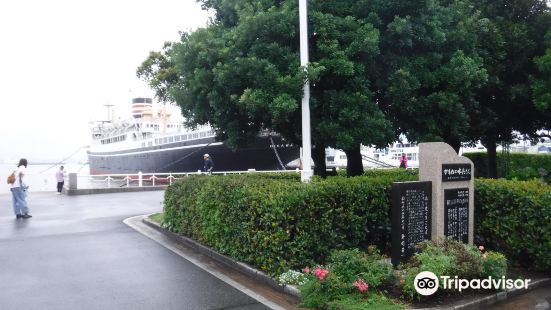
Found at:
(157, 217)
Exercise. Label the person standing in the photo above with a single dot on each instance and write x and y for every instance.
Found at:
(404, 161)
(209, 165)
(19, 191)
(60, 178)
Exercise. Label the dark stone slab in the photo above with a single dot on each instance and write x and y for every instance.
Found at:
(411, 217)
(456, 172)
(456, 214)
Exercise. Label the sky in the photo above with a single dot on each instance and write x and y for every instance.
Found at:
(61, 61)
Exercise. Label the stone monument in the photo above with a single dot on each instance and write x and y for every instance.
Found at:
(452, 190)
(411, 218)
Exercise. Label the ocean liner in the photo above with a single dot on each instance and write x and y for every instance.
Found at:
(151, 142)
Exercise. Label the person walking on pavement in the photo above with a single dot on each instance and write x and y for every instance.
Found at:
(19, 191)
(209, 165)
(60, 178)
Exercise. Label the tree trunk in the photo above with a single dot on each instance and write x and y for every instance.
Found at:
(454, 143)
(354, 166)
(318, 155)
(491, 146)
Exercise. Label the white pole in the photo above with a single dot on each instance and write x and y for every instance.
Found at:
(306, 173)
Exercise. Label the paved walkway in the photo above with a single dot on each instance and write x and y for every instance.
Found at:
(76, 253)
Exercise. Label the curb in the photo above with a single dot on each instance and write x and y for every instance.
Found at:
(501, 296)
(492, 299)
(223, 259)
(293, 291)
(93, 191)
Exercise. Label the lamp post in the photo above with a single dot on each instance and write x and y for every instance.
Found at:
(306, 173)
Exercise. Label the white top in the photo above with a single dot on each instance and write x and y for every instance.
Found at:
(20, 171)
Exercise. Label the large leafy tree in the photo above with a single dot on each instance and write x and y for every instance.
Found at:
(541, 87)
(428, 68)
(512, 38)
(242, 74)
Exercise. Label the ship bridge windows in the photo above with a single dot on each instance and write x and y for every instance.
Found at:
(170, 139)
(195, 135)
(150, 143)
(177, 138)
(202, 134)
(113, 140)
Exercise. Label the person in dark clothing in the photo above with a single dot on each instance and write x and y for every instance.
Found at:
(209, 165)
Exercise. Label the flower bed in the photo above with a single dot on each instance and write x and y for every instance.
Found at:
(366, 280)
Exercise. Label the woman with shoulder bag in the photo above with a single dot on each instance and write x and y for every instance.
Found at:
(19, 191)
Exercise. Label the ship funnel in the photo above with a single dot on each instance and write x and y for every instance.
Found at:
(141, 106)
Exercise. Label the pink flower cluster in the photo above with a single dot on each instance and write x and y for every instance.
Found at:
(320, 273)
(361, 285)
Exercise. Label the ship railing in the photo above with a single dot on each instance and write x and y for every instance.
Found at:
(99, 181)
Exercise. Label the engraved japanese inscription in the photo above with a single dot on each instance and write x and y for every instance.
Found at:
(411, 217)
(456, 214)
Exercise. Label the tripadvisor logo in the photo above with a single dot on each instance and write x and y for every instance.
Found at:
(426, 283)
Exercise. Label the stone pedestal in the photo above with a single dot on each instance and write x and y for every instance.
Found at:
(72, 181)
(452, 190)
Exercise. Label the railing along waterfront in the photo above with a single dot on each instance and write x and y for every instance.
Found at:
(96, 181)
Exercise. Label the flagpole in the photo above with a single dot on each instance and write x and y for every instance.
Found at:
(306, 172)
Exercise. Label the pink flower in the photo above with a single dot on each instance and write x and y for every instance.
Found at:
(306, 269)
(320, 273)
(481, 248)
(361, 285)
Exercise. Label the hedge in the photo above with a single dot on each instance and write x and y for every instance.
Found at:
(514, 217)
(518, 166)
(277, 224)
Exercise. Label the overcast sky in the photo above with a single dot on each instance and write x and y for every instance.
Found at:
(62, 60)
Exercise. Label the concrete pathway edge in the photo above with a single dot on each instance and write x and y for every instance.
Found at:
(223, 259)
(291, 290)
(137, 223)
(501, 296)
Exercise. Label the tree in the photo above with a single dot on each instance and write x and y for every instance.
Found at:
(428, 68)
(541, 87)
(242, 75)
(513, 37)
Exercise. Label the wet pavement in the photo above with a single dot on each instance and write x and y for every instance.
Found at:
(76, 253)
(538, 299)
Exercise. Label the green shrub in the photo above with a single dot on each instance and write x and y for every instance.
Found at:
(518, 166)
(353, 264)
(450, 258)
(495, 265)
(398, 173)
(514, 217)
(316, 293)
(279, 223)
(337, 291)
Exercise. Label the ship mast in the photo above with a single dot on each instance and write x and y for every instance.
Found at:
(110, 112)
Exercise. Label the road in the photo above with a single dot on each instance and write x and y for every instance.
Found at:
(76, 253)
